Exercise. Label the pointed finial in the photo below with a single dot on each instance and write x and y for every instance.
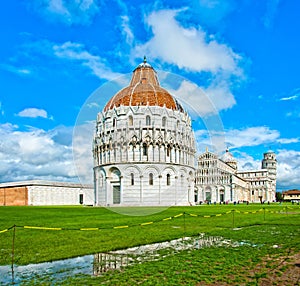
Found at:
(145, 59)
(206, 149)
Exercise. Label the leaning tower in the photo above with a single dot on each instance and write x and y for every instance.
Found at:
(269, 162)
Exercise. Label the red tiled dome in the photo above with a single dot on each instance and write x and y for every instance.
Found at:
(143, 90)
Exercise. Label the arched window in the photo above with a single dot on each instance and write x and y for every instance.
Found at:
(168, 180)
(130, 120)
(148, 120)
(145, 149)
(132, 179)
(164, 121)
(151, 179)
(168, 151)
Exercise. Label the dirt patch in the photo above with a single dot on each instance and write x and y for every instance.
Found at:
(280, 271)
(283, 271)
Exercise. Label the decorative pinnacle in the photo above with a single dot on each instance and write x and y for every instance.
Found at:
(145, 59)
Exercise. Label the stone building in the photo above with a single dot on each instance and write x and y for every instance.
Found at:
(42, 193)
(144, 146)
(219, 180)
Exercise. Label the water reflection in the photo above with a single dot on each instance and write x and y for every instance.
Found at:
(102, 262)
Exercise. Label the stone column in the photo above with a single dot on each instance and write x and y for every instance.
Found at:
(159, 188)
(141, 189)
(175, 188)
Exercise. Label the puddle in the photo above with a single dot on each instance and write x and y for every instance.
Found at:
(56, 270)
(102, 262)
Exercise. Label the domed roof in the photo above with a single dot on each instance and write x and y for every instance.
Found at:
(228, 157)
(143, 90)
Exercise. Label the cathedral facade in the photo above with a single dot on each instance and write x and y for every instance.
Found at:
(144, 154)
(144, 147)
(219, 180)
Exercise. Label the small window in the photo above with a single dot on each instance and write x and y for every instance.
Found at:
(114, 122)
(168, 180)
(252, 193)
(145, 149)
(148, 120)
(164, 121)
(130, 120)
(151, 179)
(81, 199)
(132, 179)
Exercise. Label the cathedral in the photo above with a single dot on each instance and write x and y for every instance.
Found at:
(219, 180)
(144, 154)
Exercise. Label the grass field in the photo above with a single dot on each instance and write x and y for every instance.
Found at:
(274, 228)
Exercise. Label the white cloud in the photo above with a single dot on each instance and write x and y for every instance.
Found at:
(252, 136)
(33, 113)
(58, 54)
(35, 154)
(77, 52)
(82, 151)
(247, 137)
(288, 169)
(247, 162)
(288, 140)
(189, 48)
(293, 97)
(67, 12)
(22, 71)
(126, 30)
(204, 101)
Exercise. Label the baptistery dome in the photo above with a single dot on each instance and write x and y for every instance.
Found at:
(144, 89)
(144, 146)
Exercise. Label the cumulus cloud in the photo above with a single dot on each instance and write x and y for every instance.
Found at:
(204, 101)
(33, 113)
(188, 48)
(247, 137)
(288, 169)
(34, 154)
(82, 151)
(252, 136)
(66, 11)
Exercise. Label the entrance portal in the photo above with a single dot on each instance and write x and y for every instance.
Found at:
(221, 198)
(115, 184)
(116, 195)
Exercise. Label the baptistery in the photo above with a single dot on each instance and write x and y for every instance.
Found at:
(144, 146)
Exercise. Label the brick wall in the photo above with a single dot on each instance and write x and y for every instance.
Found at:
(14, 196)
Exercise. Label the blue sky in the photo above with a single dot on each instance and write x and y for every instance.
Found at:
(242, 55)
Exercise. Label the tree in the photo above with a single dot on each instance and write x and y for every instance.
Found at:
(278, 196)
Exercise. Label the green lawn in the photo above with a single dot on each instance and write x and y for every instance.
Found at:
(263, 225)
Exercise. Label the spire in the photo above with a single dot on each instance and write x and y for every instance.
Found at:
(144, 64)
